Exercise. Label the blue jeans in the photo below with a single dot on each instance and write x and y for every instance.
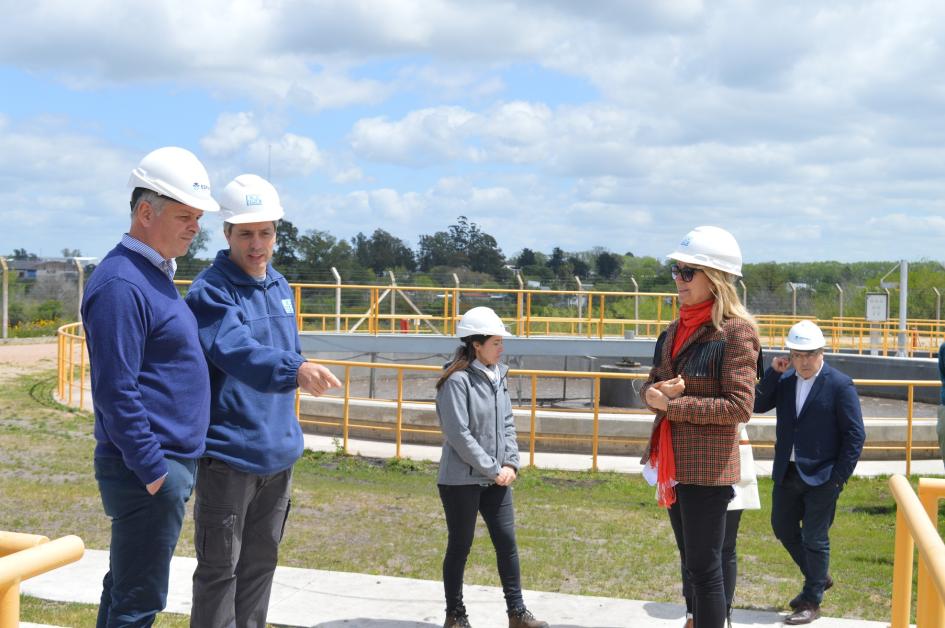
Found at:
(494, 502)
(145, 529)
(801, 516)
(698, 518)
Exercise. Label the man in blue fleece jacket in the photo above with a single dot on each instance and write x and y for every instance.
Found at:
(246, 318)
(150, 389)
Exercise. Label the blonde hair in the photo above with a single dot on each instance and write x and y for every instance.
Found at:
(727, 304)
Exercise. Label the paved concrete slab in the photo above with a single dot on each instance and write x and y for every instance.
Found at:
(329, 599)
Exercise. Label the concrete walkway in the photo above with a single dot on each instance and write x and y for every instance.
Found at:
(325, 599)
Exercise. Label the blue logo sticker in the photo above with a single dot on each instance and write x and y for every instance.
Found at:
(253, 199)
(287, 306)
(685, 241)
(198, 186)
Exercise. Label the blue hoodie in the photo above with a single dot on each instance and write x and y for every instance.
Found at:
(247, 330)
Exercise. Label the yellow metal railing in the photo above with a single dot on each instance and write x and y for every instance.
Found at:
(73, 368)
(23, 556)
(917, 525)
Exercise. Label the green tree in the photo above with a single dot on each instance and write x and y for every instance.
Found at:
(383, 251)
(608, 265)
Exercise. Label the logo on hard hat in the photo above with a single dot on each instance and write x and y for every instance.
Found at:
(253, 199)
(200, 186)
(685, 241)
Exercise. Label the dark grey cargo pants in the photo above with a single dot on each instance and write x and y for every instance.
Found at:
(240, 518)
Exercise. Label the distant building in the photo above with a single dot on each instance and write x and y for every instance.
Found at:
(37, 269)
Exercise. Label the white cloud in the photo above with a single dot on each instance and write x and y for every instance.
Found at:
(231, 133)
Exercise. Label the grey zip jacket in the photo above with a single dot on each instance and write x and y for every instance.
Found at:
(478, 428)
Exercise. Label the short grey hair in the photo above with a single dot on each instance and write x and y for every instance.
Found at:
(152, 198)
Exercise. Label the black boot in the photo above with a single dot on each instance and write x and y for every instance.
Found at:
(456, 618)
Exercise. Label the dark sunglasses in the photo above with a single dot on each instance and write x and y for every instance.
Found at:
(686, 273)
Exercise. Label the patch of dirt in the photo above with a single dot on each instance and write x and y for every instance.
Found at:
(20, 358)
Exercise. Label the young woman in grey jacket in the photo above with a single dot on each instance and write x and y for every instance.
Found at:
(479, 463)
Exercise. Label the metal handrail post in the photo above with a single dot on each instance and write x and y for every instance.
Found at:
(580, 301)
(596, 439)
(600, 331)
(400, 410)
(337, 275)
(518, 303)
(636, 307)
(528, 313)
(28, 563)
(925, 535)
(532, 421)
(6, 295)
(903, 561)
(299, 322)
(393, 300)
(929, 608)
(347, 409)
(910, 396)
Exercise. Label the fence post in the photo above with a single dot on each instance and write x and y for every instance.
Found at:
(334, 271)
(840, 292)
(393, 300)
(518, 303)
(580, 303)
(6, 292)
(636, 307)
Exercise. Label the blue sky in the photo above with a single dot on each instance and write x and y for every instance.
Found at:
(811, 131)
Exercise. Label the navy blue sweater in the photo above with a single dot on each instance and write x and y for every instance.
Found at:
(248, 331)
(150, 385)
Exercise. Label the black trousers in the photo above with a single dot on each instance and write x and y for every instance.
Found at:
(801, 516)
(729, 561)
(698, 520)
(494, 502)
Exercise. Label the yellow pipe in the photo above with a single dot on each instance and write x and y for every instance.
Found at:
(347, 407)
(30, 562)
(923, 532)
(930, 607)
(596, 441)
(400, 409)
(903, 557)
(531, 429)
(910, 391)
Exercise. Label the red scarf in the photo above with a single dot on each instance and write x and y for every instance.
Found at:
(691, 318)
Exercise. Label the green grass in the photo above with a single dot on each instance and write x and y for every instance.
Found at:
(582, 533)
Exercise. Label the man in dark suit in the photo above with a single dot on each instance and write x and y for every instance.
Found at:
(819, 439)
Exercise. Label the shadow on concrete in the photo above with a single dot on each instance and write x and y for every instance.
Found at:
(367, 622)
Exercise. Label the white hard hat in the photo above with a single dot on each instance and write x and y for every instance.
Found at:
(250, 198)
(712, 247)
(805, 336)
(177, 174)
(480, 321)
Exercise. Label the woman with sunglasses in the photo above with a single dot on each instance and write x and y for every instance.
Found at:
(701, 387)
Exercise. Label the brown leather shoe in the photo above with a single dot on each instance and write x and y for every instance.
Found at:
(805, 613)
(523, 618)
(798, 599)
(688, 623)
(457, 618)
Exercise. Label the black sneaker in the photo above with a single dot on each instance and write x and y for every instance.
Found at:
(456, 618)
(523, 618)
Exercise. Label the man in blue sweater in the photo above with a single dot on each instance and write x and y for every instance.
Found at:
(150, 388)
(246, 318)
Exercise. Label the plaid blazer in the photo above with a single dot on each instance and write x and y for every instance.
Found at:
(719, 368)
